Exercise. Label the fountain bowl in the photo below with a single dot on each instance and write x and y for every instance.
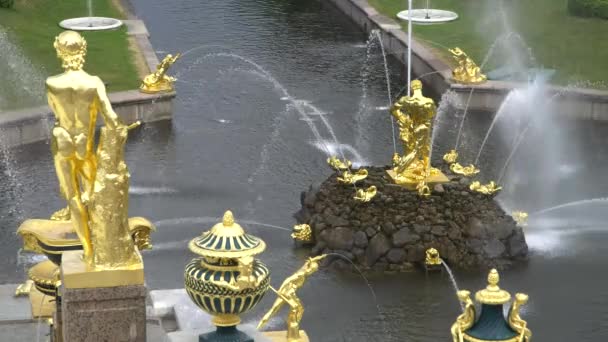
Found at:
(91, 24)
(430, 16)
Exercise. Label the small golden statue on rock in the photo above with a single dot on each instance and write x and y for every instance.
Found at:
(159, 81)
(486, 189)
(287, 294)
(414, 115)
(302, 233)
(348, 177)
(491, 325)
(450, 157)
(467, 72)
(366, 195)
(520, 217)
(339, 165)
(466, 171)
(432, 261)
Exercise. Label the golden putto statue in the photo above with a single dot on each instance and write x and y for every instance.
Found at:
(486, 189)
(467, 71)
(287, 294)
(348, 177)
(414, 115)
(159, 81)
(93, 178)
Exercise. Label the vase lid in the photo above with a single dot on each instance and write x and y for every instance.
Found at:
(227, 239)
(492, 294)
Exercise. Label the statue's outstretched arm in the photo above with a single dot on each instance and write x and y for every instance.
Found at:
(110, 117)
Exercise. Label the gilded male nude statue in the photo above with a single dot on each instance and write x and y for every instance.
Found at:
(75, 98)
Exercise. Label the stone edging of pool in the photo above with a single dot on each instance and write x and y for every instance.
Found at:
(29, 125)
(575, 103)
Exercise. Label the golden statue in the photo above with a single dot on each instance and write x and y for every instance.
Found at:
(366, 195)
(159, 81)
(423, 189)
(450, 157)
(464, 170)
(287, 294)
(337, 164)
(414, 116)
(486, 189)
(302, 233)
(432, 257)
(348, 177)
(466, 319)
(515, 321)
(94, 180)
(467, 71)
(520, 217)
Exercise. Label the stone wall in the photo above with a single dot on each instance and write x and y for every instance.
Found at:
(394, 230)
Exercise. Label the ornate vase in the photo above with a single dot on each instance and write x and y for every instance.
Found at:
(226, 281)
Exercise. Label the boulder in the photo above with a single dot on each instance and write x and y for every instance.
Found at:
(378, 246)
(404, 237)
(360, 239)
(395, 255)
(340, 238)
(494, 248)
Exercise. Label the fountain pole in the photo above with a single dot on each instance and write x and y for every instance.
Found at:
(409, 48)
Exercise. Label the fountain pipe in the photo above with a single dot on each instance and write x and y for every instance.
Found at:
(409, 47)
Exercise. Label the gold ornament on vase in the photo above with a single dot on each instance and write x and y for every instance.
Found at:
(287, 294)
(466, 72)
(414, 115)
(159, 81)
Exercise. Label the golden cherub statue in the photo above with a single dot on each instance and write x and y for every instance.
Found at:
(466, 171)
(467, 71)
(486, 189)
(366, 195)
(287, 294)
(466, 319)
(159, 81)
(337, 164)
(348, 177)
(93, 180)
(414, 115)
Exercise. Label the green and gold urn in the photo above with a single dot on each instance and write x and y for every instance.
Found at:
(226, 280)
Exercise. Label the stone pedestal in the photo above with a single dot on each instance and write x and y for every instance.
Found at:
(437, 178)
(116, 314)
(99, 306)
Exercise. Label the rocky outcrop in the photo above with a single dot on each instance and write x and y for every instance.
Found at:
(395, 228)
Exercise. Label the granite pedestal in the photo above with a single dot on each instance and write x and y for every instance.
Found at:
(113, 314)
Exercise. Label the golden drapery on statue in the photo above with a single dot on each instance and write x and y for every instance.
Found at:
(94, 180)
(414, 115)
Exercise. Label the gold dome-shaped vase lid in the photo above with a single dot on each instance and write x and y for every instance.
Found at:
(227, 239)
(492, 294)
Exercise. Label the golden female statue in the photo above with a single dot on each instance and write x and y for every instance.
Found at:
(466, 319)
(287, 294)
(94, 182)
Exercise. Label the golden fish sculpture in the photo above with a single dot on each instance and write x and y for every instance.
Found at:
(352, 178)
(486, 189)
(466, 171)
(337, 164)
(450, 157)
(366, 195)
(159, 81)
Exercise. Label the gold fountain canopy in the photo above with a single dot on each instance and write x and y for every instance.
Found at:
(227, 239)
(492, 294)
